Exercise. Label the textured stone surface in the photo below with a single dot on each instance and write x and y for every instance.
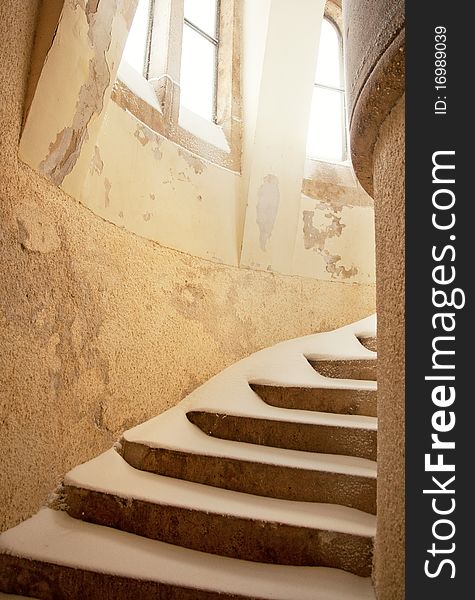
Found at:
(101, 330)
(389, 203)
(351, 402)
(375, 72)
(224, 534)
(370, 27)
(347, 369)
(375, 65)
(309, 437)
(254, 477)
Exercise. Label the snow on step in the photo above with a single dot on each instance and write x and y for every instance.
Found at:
(54, 537)
(255, 408)
(285, 364)
(109, 473)
(326, 400)
(171, 430)
(308, 437)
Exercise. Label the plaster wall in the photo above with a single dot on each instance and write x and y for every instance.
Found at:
(277, 154)
(100, 153)
(149, 185)
(101, 329)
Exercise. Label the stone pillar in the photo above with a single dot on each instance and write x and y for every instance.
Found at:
(375, 50)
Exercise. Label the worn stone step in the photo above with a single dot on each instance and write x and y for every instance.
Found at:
(15, 597)
(330, 434)
(361, 368)
(53, 555)
(108, 491)
(271, 472)
(371, 343)
(331, 400)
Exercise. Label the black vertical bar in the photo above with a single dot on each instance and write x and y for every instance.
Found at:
(439, 120)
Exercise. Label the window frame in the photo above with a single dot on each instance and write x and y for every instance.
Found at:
(162, 73)
(216, 43)
(341, 90)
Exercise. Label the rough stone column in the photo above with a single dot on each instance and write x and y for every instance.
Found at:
(375, 49)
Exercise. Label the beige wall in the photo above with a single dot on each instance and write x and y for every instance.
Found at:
(101, 329)
(104, 156)
(276, 156)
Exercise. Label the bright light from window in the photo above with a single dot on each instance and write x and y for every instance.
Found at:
(199, 58)
(135, 50)
(203, 14)
(328, 64)
(326, 131)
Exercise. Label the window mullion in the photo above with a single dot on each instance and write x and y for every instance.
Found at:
(165, 56)
(207, 37)
(328, 87)
(146, 67)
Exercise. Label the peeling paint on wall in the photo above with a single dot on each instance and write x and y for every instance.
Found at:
(64, 151)
(267, 208)
(107, 187)
(145, 136)
(315, 239)
(336, 270)
(194, 162)
(194, 205)
(96, 163)
(181, 176)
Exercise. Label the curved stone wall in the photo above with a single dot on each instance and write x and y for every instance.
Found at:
(374, 31)
(375, 63)
(101, 329)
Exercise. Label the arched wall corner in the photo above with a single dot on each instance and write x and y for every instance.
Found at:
(375, 70)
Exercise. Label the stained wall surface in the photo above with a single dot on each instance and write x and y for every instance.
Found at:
(101, 329)
(102, 149)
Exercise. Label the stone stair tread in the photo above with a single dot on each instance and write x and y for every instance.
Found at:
(109, 473)
(289, 415)
(172, 431)
(285, 364)
(15, 597)
(343, 401)
(55, 538)
(319, 382)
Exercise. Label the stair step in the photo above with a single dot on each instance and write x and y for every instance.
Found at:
(361, 368)
(333, 435)
(54, 555)
(371, 343)
(15, 597)
(324, 480)
(108, 491)
(331, 400)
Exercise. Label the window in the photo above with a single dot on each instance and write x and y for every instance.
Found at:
(181, 74)
(137, 48)
(199, 57)
(327, 126)
(199, 51)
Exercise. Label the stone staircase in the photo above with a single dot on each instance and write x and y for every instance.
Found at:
(261, 484)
